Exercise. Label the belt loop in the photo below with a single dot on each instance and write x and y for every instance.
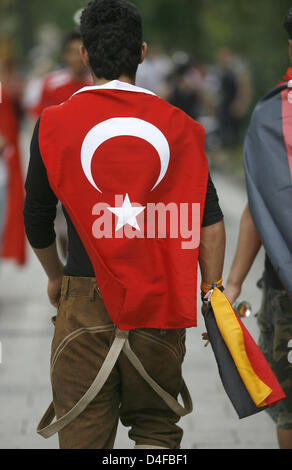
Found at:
(67, 285)
(92, 290)
(96, 288)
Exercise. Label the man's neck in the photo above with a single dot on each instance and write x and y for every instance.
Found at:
(122, 78)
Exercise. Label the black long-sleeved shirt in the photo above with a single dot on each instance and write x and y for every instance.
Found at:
(40, 212)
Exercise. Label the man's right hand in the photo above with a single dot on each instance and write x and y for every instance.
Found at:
(54, 269)
(54, 291)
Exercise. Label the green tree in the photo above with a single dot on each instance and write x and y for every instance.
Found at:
(252, 29)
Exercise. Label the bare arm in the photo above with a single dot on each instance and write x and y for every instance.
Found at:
(212, 251)
(39, 214)
(248, 246)
(53, 267)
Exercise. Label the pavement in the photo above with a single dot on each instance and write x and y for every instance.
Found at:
(26, 332)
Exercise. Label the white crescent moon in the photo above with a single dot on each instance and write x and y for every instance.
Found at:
(123, 127)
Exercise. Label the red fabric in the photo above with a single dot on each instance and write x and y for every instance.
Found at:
(287, 122)
(261, 367)
(57, 88)
(287, 76)
(13, 242)
(144, 282)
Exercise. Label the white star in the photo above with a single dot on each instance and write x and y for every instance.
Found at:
(127, 214)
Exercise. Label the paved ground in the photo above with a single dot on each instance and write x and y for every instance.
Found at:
(26, 332)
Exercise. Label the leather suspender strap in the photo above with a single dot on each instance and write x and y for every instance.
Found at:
(169, 400)
(46, 428)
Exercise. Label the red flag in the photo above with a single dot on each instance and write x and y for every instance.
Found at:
(13, 242)
(286, 77)
(131, 171)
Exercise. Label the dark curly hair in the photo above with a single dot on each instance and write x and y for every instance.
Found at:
(288, 24)
(111, 31)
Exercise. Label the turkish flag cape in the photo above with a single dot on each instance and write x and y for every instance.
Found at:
(104, 143)
(13, 240)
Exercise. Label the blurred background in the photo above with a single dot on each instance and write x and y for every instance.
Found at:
(212, 59)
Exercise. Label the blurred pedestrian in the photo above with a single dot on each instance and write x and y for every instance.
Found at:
(267, 221)
(3, 182)
(11, 185)
(234, 96)
(184, 87)
(153, 72)
(57, 87)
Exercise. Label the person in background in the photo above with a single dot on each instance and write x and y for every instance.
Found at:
(57, 87)
(234, 96)
(256, 228)
(153, 72)
(183, 89)
(12, 236)
(2, 185)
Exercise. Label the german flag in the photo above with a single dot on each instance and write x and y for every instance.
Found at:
(245, 374)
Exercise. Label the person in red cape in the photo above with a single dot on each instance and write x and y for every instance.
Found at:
(118, 158)
(268, 143)
(60, 84)
(2, 185)
(56, 88)
(13, 235)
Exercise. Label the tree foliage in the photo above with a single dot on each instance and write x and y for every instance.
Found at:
(253, 29)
